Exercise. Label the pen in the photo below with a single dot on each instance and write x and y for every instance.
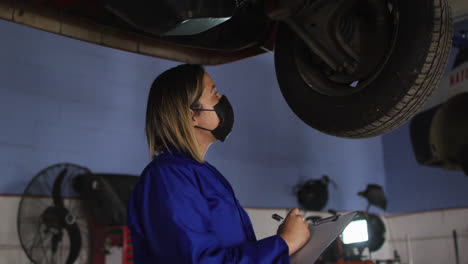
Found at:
(315, 222)
(278, 218)
(332, 218)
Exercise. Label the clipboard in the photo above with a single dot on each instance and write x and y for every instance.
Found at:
(322, 233)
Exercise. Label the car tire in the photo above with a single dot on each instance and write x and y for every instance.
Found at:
(412, 71)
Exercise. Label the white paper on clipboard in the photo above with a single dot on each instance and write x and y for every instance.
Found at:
(321, 236)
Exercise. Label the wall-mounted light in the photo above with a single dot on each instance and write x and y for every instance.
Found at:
(312, 195)
(375, 196)
(367, 231)
(355, 232)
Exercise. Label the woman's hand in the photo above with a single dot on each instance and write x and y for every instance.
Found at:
(294, 231)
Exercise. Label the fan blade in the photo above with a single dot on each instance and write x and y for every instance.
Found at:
(56, 239)
(57, 190)
(75, 242)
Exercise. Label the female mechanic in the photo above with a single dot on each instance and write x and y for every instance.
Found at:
(182, 210)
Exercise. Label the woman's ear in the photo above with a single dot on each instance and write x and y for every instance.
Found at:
(193, 117)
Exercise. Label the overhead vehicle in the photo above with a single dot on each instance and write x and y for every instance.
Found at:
(439, 132)
(348, 68)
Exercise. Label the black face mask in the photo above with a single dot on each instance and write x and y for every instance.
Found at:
(226, 119)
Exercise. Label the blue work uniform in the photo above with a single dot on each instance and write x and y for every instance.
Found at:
(183, 211)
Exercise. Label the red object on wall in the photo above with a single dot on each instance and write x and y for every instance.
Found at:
(127, 247)
(97, 242)
(104, 237)
(341, 261)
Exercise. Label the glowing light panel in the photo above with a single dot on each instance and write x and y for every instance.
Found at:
(355, 232)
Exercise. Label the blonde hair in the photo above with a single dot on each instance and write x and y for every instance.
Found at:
(168, 118)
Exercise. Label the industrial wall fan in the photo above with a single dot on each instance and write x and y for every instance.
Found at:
(52, 221)
(67, 214)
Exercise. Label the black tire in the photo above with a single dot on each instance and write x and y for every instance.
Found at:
(412, 71)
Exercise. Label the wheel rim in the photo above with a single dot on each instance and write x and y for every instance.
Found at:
(379, 41)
